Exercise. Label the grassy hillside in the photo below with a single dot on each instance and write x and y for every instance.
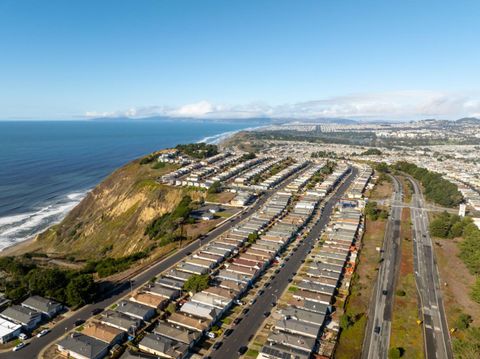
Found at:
(111, 219)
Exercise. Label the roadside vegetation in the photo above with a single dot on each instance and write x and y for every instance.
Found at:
(436, 188)
(406, 338)
(458, 249)
(22, 278)
(108, 266)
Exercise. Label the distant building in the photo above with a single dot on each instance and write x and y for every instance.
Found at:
(9, 330)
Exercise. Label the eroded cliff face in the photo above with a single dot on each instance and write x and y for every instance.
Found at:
(111, 219)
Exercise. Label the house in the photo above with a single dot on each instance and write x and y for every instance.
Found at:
(163, 347)
(121, 321)
(136, 310)
(182, 335)
(161, 291)
(303, 315)
(9, 330)
(201, 310)
(28, 318)
(104, 332)
(4, 302)
(290, 325)
(80, 346)
(149, 299)
(185, 321)
(279, 351)
(215, 301)
(294, 341)
(47, 307)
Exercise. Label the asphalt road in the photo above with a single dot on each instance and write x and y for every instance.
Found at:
(252, 321)
(376, 345)
(436, 335)
(35, 345)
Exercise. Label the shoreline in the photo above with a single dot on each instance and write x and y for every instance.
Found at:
(19, 246)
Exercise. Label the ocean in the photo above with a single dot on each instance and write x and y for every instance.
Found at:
(47, 167)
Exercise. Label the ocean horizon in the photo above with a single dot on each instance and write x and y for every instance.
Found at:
(48, 166)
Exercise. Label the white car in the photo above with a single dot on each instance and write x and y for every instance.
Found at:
(42, 333)
(18, 346)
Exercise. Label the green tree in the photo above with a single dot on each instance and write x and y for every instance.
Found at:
(196, 283)
(80, 290)
(216, 187)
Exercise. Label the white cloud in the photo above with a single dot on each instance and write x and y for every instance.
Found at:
(402, 105)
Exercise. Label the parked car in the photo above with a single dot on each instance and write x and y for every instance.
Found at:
(237, 320)
(242, 350)
(78, 322)
(19, 346)
(23, 336)
(377, 330)
(245, 311)
(97, 311)
(42, 333)
(217, 345)
(266, 314)
(228, 332)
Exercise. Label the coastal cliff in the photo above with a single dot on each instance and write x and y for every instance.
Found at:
(111, 220)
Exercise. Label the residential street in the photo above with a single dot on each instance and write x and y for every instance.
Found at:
(254, 318)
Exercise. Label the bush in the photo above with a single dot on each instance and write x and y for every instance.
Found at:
(395, 353)
(463, 321)
(165, 225)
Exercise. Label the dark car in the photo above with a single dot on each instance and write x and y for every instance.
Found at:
(384, 292)
(97, 311)
(274, 304)
(228, 332)
(245, 311)
(237, 320)
(242, 350)
(260, 292)
(78, 322)
(266, 314)
(188, 253)
(377, 330)
(217, 345)
(251, 337)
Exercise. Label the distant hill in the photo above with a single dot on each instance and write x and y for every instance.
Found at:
(468, 120)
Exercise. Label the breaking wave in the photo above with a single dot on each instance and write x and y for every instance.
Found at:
(20, 227)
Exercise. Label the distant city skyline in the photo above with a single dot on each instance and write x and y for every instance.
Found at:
(215, 59)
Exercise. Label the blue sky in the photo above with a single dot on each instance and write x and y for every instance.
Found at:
(301, 59)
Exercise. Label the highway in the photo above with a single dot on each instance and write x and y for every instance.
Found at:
(377, 336)
(252, 321)
(435, 329)
(36, 345)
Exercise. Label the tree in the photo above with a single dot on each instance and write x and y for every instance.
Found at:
(252, 237)
(80, 290)
(196, 283)
(216, 187)
(395, 353)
